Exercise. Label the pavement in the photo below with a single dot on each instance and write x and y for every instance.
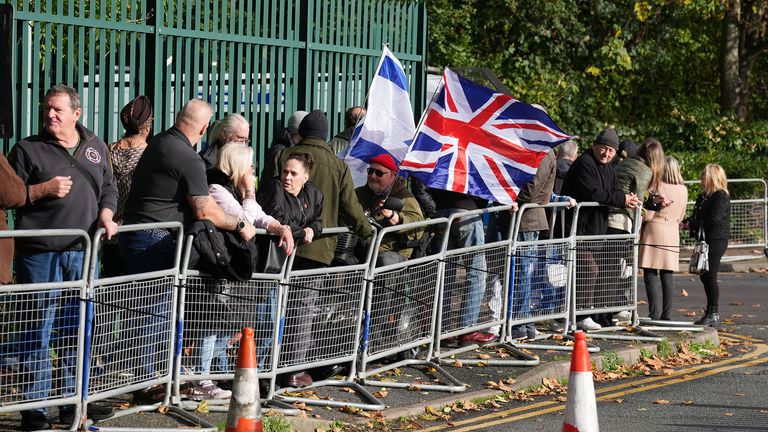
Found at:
(743, 295)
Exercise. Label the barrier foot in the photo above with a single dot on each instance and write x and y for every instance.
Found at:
(454, 386)
(203, 425)
(222, 405)
(372, 404)
(643, 335)
(523, 358)
(558, 347)
(661, 325)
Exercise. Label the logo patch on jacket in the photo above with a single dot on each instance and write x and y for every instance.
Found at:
(92, 155)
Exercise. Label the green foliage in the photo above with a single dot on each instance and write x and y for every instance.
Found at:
(611, 361)
(705, 349)
(648, 68)
(277, 424)
(665, 349)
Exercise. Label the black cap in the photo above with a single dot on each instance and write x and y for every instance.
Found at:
(314, 125)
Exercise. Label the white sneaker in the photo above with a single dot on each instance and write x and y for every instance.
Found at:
(588, 324)
(209, 390)
(623, 316)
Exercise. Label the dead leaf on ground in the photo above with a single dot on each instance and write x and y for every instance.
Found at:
(728, 414)
(736, 303)
(618, 400)
(381, 393)
(661, 402)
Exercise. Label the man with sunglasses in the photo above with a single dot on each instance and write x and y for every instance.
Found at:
(383, 182)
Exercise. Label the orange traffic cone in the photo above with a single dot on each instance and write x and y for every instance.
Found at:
(580, 405)
(245, 406)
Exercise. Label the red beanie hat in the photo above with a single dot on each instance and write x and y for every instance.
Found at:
(386, 160)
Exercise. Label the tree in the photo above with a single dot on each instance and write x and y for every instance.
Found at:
(744, 38)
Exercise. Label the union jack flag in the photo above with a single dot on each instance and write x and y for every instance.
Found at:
(480, 142)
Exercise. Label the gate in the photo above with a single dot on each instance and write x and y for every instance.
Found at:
(263, 59)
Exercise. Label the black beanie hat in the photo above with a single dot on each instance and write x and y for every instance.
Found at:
(608, 137)
(314, 125)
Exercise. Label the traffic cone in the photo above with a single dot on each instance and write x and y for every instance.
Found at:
(580, 405)
(244, 413)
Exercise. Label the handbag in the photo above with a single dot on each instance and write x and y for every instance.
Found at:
(700, 258)
(271, 257)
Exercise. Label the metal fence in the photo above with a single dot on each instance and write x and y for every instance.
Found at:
(263, 59)
(749, 213)
(375, 319)
(40, 321)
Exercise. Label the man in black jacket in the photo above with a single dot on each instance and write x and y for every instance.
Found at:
(70, 186)
(592, 179)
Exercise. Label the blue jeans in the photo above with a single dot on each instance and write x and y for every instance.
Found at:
(524, 276)
(465, 233)
(145, 251)
(50, 315)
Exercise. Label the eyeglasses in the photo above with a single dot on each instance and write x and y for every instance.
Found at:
(378, 173)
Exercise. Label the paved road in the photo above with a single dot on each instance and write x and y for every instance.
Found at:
(723, 396)
(726, 396)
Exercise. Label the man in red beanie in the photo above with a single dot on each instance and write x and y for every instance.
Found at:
(383, 182)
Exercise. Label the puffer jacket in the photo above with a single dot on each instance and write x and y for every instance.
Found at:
(411, 212)
(334, 180)
(632, 175)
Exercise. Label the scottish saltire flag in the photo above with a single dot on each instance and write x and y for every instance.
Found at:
(388, 125)
(480, 142)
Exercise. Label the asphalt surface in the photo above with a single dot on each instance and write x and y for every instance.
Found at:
(730, 400)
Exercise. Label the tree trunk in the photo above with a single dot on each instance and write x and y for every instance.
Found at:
(730, 78)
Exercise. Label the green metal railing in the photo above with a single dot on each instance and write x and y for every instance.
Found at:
(263, 59)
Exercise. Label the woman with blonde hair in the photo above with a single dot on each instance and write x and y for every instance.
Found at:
(640, 174)
(660, 241)
(232, 184)
(710, 221)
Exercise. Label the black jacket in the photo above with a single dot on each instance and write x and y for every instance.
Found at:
(712, 214)
(297, 212)
(586, 181)
(37, 159)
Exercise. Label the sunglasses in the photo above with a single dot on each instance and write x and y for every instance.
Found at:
(378, 173)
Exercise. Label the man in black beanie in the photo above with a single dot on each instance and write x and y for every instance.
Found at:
(591, 178)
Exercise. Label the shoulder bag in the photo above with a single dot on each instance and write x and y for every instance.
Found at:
(700, 258)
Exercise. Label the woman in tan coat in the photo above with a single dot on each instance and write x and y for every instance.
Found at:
(660, 241)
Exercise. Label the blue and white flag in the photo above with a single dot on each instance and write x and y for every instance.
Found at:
(388, 125)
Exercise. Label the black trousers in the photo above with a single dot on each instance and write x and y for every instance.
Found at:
(659, 295)
(709, 279)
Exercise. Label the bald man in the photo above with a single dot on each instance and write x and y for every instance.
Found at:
(169, 184)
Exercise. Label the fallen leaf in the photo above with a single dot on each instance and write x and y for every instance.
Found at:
(163, 409)
(642, 409)
(381, 393)
(661, 402)
(484, 356)
(347, 390)
(202, 407)
(683, 292)
(458, 363)
(642, 302)
(728, 414)
(618, 400)
(736, 303)
(755, 305)
(688, 402)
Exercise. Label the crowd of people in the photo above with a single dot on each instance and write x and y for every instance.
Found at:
(67, 177)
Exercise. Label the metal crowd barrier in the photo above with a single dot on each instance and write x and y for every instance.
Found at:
(605, 278)
(400, 315)
(212, 312)
(132, 328)
(749, 214)
(485, 266)
(541, 281)
(36, 321)
(320, 315)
